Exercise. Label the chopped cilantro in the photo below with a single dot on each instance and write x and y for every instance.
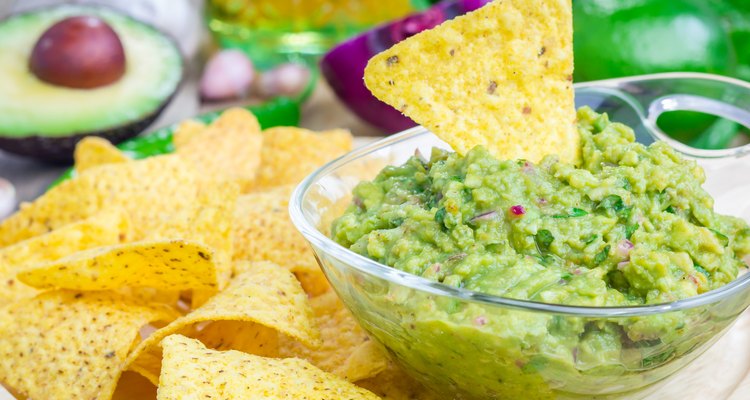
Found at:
(701, 270)
(630, 229)
(722, 237)
(670, 209)
(567, 276)
(575, 212)
(590, 238)
(543, 240)
(440, 215)
(602, 255)
(611, 202)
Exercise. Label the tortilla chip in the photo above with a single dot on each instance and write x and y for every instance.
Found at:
(263, 231)
(236, 375)
(266, 299)
(395, 384)
(158, 193)
(168, 265)
(500, 77)
(106, 228)
(186, 131)
(70, 345)
(151, 295)
(290, 154)
(346, 351)
(227, 150)
(94, 151)
(133, 386)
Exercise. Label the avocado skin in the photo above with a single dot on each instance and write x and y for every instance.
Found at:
(59, 150)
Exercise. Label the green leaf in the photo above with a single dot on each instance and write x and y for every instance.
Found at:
(590, 238)
(543, 240)
(602, 255)
(440, 215)
(611, 202)
(701, 270)
(575, 212)
(722, 237)
(630, 229)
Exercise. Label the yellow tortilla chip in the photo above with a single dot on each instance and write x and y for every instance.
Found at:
(70, 345)
(169, 265)
(395, 384)
(500, 77)
(186, 131)
(94, 151)
(105, 228)
(191, 368)
(158, 193)
(290, 154)
(346, 351)
(151, 295)
(133, 386)
(266, 298)
(263, 231)
(227, 150)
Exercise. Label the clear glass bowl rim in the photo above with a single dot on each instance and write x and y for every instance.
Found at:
(384, 272)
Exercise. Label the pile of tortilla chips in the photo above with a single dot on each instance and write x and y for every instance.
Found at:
(145, 278)
(181, 276)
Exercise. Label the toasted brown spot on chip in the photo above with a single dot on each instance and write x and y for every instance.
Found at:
(391, 60)
(491, 88)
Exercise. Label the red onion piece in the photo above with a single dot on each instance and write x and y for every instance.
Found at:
(622, 265)
(542, 201)
(527, 168)
(480, 320)
(517, 210)
(228, 74)
(623, 248)
(285, 80)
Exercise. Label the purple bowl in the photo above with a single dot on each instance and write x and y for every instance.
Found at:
(344, 66)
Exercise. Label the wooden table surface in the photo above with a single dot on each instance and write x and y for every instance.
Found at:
(722, 373)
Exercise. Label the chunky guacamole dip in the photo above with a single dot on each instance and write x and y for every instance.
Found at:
(629, 226)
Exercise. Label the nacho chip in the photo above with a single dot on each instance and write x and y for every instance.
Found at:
(105, 228)
(266, 299)
(133, 386)
(395, 384)
(290, 154)
(94, 151)
(186, 131)
(499, 77)
(263, 231)
(227, 150)
(169, 265)
(70, 345)
(191, 368)
(346, 351)
(158, 193)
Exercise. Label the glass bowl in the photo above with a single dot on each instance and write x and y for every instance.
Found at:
(464, 344)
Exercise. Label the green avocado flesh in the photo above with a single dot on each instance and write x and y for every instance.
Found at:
(630, 226)
(31, 107)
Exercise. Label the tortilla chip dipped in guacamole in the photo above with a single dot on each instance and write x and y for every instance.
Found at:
(500, 77)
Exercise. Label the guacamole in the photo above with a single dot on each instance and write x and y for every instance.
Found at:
(631, 225)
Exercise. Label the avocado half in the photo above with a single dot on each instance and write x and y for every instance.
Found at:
(46, 121)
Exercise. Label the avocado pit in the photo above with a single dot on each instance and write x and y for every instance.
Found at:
(80, 52)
